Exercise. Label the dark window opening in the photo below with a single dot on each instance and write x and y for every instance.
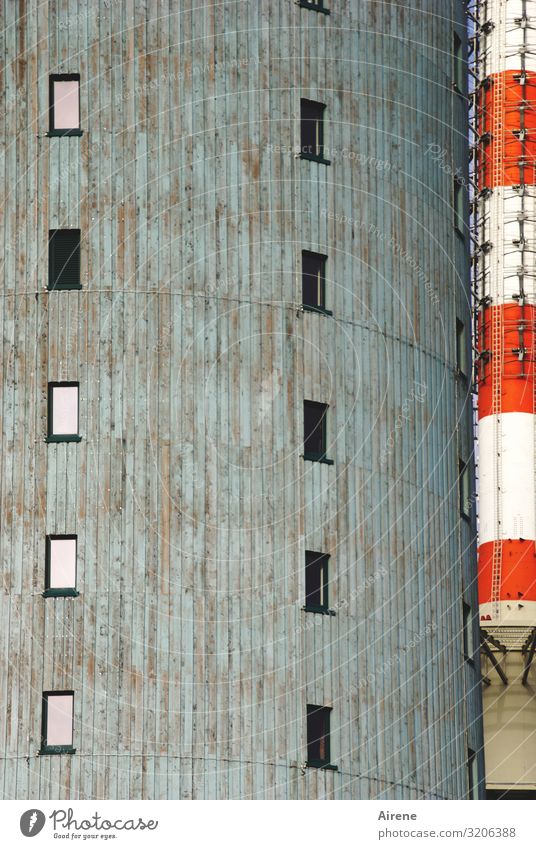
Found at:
(64, 96)
(57, 723)
(314, 281)
(315, 431)
(60, 565)
(459, 207)
(459, 64)
(472, 775)
(63, 414)
(316, 581)
(312, 131)
(468, 645)
(64, 259)
(315, 5)
(318, 742)
(461, 349)
(464, 483)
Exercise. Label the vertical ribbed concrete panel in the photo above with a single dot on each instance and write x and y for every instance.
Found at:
(188, 650)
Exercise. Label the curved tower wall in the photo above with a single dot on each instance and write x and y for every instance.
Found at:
(188, 650)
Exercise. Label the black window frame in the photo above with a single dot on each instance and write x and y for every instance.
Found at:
(460, 64)
(321, 259)
(472, 768)
(59, 592)
(319, 108)
(458, 202)
(61, 437)
(316, 456)
(312, 760)
(462, 369)
(314, 6)
(317, 562)
(52, 131)
(468, 633)
(54, 275)
(464, 489)
(63, 749)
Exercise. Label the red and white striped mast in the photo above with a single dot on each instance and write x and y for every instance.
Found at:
(505, 282)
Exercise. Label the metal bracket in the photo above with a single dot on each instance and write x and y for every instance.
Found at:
(494, 662)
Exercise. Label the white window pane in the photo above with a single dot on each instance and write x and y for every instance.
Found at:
(62, 562)
(66, 111)
(65, 410)
(59, 721)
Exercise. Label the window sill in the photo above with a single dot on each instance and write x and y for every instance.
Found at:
(64, 438)
(57, 750)
(313, 158)
(318, 458)
(465, 518)
(314, 8)
(64, 288)
(322, 765)
(311, 608)
(61, 592)
(321, 310)
(59, 133)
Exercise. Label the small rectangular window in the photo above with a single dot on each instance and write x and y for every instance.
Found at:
(459, 207)
(468, 644)
(314, 281)
(315, 5)
(65, 105)
(316, 581)
(464, 483)
(60, 566)
(315, 431)
(459, 64)
(461, 349)
(63, 412)
(64, 259)
(312, 131)
(472, 775)
(57, 723)
(318, 742)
